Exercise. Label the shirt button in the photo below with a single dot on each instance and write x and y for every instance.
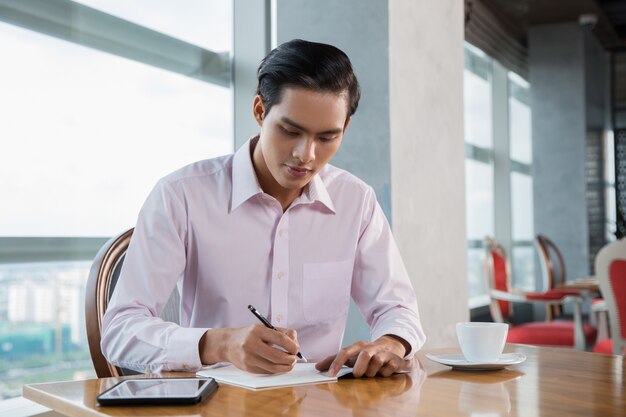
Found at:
(279, 318)
(280, 232)
(280, 275)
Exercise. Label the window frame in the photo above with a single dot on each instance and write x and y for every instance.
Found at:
(503, 166)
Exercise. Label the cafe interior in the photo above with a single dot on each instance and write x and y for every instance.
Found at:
(493, 133)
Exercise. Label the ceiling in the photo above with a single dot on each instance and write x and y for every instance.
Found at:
(610, 27)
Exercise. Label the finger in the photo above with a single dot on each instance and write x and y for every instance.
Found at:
(278, 338)
(271, 360)
(274, 354)
(274, 368)
(264, 367)
(362, 363)
(387, 370)
(260, 344)
(343, 356)
(395, 365)
(324, 364)
(377, 362)
(291, 333)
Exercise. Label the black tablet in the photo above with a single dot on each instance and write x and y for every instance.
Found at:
(150, 391)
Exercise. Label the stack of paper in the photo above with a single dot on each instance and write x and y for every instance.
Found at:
(302, 373)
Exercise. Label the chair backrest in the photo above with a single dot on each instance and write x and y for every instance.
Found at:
(103, 276)
(498, 276)
(611, 273)
(553, 268)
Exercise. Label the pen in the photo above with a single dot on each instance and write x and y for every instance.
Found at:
(269, 326)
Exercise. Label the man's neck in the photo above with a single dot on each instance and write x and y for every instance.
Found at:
(267, 182)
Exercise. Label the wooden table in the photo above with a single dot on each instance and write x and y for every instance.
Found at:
(551, 382)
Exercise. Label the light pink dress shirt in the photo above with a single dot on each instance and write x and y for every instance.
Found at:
(211, 230)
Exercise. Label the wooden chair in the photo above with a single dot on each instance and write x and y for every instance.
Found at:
(103, 276)
(546, 333)
(611, 273)
(554, 273)
(553, 270)
(553, 267)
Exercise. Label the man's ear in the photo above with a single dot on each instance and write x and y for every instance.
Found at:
(345, 126)
(258, 109)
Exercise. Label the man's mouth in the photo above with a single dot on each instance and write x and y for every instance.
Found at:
(298, 171)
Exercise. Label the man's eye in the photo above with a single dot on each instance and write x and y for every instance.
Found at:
(290, 132)
(326, 140)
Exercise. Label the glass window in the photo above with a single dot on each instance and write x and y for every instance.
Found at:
(86, 135)
(523, 267)
(479, 176)
(489, 85)
(477, 285)
(520, 134)
(206, 22)
(94, 130)
(477, 98)
(479, 211)
(609, 175)
(520, 140)
(480, 207)
(522, 207)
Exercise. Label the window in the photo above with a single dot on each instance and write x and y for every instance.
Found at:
(98, 106)
(520, 139)
(498, 164)
(609, 178)
(479, 175)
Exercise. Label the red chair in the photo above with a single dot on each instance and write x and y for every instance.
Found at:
(611, 273)
(554, 273)
(546, 333)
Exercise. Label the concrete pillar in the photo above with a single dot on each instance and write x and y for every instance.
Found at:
(428, 157)
(567, 98)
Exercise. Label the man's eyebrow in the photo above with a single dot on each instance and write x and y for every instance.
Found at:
(297, 126)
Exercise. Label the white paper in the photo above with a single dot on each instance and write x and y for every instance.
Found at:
(302, 373)
(21, 407)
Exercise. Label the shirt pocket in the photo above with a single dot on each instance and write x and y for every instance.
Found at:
(326, 290)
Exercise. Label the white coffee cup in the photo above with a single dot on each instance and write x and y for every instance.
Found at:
(481, 342)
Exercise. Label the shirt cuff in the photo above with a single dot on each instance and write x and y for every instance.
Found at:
(402, 333)
(182, 349)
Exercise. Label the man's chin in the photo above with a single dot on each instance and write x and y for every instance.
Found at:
(295, 183)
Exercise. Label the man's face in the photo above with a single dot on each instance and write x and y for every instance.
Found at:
(298, 137)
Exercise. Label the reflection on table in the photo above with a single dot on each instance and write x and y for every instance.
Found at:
(551, 382)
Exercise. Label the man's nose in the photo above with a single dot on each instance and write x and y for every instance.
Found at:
(305, 150)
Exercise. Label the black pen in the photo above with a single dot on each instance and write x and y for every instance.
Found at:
(269, 325)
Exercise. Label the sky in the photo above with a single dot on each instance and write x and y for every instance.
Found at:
(85, 135)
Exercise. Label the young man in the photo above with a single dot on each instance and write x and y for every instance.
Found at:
(274, 226)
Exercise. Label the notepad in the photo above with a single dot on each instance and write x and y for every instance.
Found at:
(302, 373)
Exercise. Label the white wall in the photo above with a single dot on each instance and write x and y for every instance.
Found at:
(428, 157)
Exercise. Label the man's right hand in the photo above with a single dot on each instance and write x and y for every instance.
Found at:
(254, 349)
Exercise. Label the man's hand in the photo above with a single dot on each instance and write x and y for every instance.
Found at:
(383, 357)
(256, 349)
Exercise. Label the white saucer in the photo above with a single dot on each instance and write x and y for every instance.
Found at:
(458, 361)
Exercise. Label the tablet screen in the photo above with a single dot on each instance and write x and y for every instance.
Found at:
(156, 388)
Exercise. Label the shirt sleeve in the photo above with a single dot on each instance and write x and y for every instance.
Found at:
(381, 286)
(133, 335)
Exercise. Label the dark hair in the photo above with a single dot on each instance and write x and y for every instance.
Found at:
(310, 65)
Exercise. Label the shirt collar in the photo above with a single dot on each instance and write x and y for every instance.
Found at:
(246, 185)
(316, 191)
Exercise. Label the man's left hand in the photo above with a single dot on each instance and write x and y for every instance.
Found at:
(382, 357)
